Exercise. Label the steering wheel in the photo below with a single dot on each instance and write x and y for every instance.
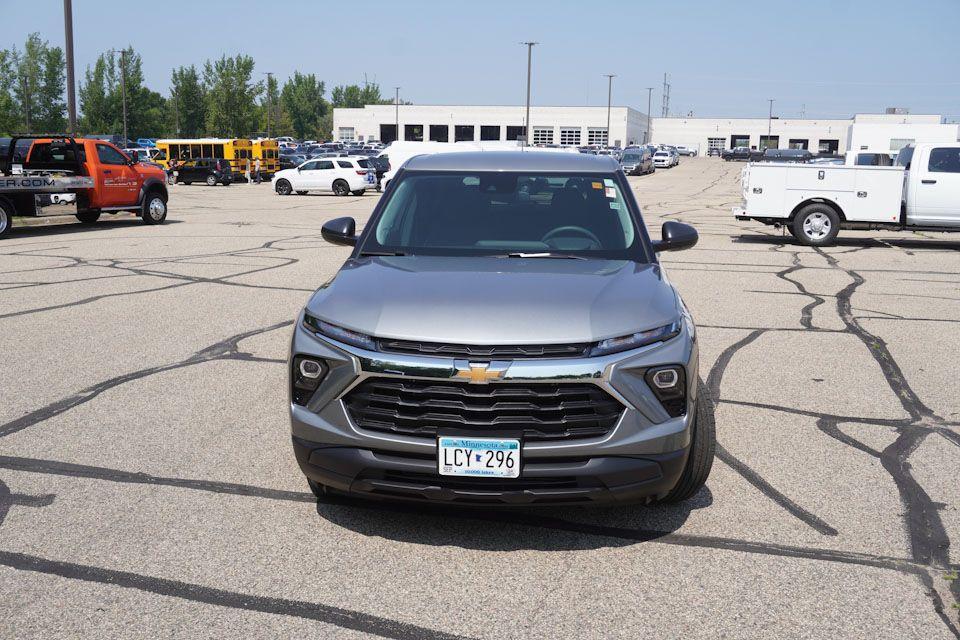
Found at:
(572, 229)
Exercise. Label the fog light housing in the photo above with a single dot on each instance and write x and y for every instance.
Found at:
(669, 384)
(306, 376)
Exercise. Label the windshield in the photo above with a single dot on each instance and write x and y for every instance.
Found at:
(630, 157)
(661, 154)
(481, 213)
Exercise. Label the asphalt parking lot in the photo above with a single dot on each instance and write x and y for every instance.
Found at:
(148, 487)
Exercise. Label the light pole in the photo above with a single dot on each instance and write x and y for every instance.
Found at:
(529, 45)
(68, 42)
(769, 122)
(610, 78)
(649, 104)
(269, 75)
(396, 104)
(123, 88)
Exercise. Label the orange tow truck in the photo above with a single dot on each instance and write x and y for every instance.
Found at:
(101, 177)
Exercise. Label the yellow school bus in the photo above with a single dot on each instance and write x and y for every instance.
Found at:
(269, 153)
(237, 150)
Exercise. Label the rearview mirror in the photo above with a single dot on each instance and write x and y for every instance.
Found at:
(341, 231)
(675, 236)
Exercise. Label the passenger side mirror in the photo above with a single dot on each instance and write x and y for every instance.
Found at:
(342, 231)
(675, 236)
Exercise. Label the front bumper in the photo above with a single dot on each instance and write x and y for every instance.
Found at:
(641, 456)
(393, 476)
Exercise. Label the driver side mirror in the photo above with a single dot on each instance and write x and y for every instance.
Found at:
(675, 236)
(341, 231)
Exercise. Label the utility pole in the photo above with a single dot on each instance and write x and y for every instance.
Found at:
(610, 78)
(665, 107)
(396, 103)
(529, 67)
(649, 137)
(769, 122)
(803, 111)
(269, 75)
(123, 88)
(68, 42)
(176, 111)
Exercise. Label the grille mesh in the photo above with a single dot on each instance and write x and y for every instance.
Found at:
(541, 411)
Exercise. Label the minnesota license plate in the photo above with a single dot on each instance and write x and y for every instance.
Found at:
(482, 457)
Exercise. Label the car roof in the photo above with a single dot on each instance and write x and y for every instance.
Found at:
(513, 161)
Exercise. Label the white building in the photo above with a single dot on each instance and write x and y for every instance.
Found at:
(876, 132)
(580, 126)
(568, 126)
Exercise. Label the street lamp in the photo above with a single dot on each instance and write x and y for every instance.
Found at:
(769, 122)
(396, 103)
(649, 102)
(269, 75)
(123, 88)
(68, 42)
(529, 45)
(610, 78)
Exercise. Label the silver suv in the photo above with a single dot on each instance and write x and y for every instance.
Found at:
(501, 334)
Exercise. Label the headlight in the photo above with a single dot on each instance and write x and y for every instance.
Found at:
(634, 340)
(316, 325)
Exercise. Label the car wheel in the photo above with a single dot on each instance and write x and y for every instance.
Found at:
(816, 225)
(6, 218)
(88, 217)
(341, 188)
(154, 209)
(211, 181)
(703, 446)
(358, 192)
(284, 188)
(301, 193)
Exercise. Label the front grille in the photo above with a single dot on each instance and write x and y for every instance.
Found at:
(575, 350)
(540, 411)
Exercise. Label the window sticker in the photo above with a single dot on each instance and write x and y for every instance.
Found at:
(597, 185)
(611, 193)
(615, 205)
(608, 182)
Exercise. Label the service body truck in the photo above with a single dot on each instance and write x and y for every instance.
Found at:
(814, 201)
(92, 175)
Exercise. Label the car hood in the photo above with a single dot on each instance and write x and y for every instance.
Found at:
(482, 300)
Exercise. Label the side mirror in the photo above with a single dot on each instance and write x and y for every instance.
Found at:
(675, 236)
(343, 231)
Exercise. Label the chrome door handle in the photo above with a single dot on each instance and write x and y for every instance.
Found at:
(928, 182)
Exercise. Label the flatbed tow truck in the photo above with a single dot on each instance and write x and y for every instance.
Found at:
(102, 178)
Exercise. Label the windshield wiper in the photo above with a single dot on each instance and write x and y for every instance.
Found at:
(542, 254)
(381, 253)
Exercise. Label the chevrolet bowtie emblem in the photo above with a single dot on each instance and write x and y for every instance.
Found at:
(480, 372)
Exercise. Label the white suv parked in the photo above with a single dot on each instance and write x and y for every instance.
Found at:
(339, 175)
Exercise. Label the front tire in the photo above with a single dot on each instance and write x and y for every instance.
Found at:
(284, 188)
(817, 225)
(341, 188)
(211, 181)
(154, 208)
(6, 218)
(88, 217)
(703, 447)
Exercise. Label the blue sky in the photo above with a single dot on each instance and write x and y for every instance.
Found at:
(832, 58)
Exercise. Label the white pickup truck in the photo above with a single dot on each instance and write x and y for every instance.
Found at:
(815, 201)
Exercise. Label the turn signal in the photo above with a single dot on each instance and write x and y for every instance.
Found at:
(669, 384)
(306, 377)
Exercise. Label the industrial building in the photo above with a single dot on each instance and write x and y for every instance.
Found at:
(873, 132)
(581, 126)
(567, 126)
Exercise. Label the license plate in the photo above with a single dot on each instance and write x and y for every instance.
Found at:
(482, 457)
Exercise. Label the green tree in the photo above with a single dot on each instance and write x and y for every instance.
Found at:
(37, 84)
(231, 95)
(102, 93)
(302, 98)
(187, 104)
(9, 113)
(274, 118)
(354, 96)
